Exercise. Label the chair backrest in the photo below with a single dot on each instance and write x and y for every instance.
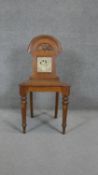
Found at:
(44, 45)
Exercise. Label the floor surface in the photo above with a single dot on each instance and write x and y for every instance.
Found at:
(43, 150)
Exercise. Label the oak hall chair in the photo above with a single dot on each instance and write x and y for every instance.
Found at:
(44, 50)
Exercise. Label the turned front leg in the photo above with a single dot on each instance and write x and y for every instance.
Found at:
(64, 115)
(23, 113)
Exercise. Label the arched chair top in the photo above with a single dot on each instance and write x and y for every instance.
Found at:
(44, 43)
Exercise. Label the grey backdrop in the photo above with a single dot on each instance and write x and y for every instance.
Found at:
(74, 23)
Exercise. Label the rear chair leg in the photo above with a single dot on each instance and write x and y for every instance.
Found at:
(31, 104)
(56, 104)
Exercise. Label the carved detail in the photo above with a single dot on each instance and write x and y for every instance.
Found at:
(23, 100)
(65, 100)
(45, 46)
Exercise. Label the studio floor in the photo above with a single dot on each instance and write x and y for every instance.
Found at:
(43, 150)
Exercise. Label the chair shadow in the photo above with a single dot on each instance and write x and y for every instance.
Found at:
(87, 120)
(37, 116)
(43, 121)
(42, 113)
(46, 122)
(12, 126)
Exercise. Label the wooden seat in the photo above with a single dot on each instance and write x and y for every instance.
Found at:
(44, 81)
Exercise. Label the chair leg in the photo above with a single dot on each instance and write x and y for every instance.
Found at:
(56, 104)
(23, 113)
(31, 104)
(64, 115)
